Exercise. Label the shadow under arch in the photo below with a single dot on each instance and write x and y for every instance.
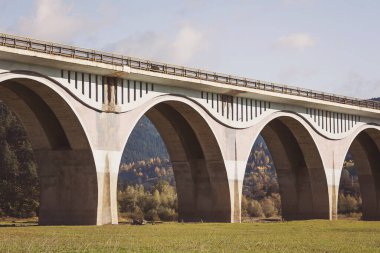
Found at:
(66, 167)
(199, 169)
(299, 168)
(365, 150)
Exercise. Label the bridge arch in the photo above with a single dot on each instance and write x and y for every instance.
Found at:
(66, 168)
(299, 167)
(199, 170)
(364, 147)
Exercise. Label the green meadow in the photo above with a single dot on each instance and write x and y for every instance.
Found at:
(298, 236)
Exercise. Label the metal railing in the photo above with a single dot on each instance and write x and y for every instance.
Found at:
(119, 60)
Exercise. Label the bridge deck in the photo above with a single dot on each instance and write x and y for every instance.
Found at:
(119, 60)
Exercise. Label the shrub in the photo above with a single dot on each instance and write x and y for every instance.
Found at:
(137, 214)
(254, 209)
(167, 214)
(268, 207)
(276, 198)
(348, 204)
(244, 206)
(152, 215)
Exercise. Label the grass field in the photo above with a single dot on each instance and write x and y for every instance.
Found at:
(303, 236)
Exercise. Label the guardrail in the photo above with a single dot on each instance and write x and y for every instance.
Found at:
(119, 60)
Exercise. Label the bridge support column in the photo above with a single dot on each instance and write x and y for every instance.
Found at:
(106, 133)
(237, 148)
(68, 187)
(235, 173)
(333, 158)
(333, 179)
(201, 191)
(107, 163)
(71, 194)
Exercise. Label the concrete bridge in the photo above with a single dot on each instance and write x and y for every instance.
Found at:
(79, 107)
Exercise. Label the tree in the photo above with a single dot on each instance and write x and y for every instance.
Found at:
(19, 184)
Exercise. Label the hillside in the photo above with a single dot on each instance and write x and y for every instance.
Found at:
(144, 143)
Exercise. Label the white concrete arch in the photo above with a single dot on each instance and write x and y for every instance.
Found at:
(254, 131)
(67, 172)
(72, 102)
(143, 108)
(347, 142)
(193, 143)
(364, 146)
(295, 147)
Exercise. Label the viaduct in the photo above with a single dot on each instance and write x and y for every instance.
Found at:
(79, 107)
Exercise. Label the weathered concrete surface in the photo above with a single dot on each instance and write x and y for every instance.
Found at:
(67, 172)
(68, 187)
(79, 117)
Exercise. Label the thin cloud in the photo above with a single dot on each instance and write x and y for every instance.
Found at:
(53, 20)
(179, 47)
(188, 41)
(297, 41)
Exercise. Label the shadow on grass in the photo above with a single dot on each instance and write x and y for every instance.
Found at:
(18, 223)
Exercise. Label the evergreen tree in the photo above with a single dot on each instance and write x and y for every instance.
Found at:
(19, 185)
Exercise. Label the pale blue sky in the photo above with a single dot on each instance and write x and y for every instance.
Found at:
(332, 46)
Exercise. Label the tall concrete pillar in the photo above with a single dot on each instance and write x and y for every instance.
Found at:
(68, 186)
(333, 158)
(236, 148)
(107, 163)
(107, 133)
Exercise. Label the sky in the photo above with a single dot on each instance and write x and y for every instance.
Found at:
(325, 45)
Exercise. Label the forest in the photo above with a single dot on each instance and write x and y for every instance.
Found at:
(146, 185)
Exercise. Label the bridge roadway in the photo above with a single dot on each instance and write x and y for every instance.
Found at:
(79, 107)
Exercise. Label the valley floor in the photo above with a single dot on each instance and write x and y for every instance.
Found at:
(300, 236)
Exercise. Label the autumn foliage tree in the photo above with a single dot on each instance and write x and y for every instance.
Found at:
(160, 203)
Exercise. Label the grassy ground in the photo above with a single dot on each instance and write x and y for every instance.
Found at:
(303, 236)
